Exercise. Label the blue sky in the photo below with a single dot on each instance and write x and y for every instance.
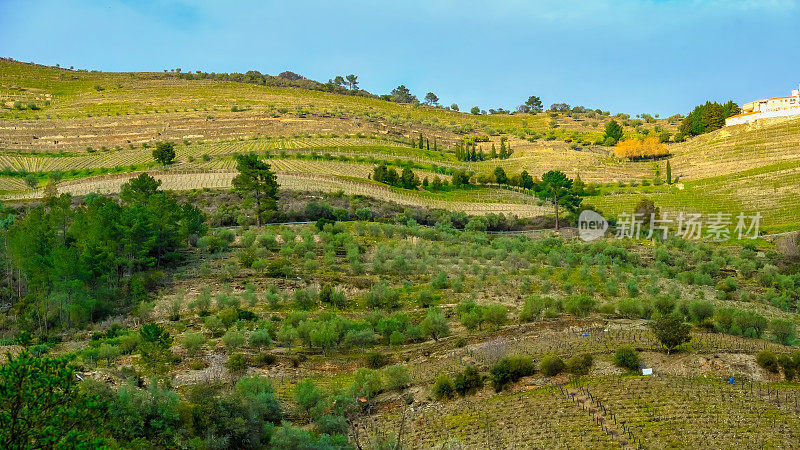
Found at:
(634, 56)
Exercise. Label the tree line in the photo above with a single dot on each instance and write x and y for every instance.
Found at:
(705, 118)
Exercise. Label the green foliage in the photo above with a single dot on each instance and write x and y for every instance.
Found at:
(613, 133)
(784, 331)
(367, 383)
(468, 382)
(627, 358)
(443, 387)
(236, 363)
(435, 324)
(155, 348)
(102, 255)
(767, 360)
(193, 343)
(509, 370)
(551, 365)
(164, 153)
(257, 182)
(396, 377)
(233, 339)
(556, 188)
(579, 365)
(671, 330)
(580, 305)
(41, 406)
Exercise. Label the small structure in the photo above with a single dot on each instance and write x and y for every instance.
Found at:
(767, 108)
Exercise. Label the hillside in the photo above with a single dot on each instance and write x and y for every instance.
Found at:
(356, 313)
(92, 127)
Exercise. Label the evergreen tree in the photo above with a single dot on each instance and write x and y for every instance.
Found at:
(256, 181)
(500, 175)
(713, 117)
(669, 173)
(41, 406)
(420, 142)
(493, 153)
(613, 131)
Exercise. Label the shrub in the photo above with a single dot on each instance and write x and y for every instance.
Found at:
(367, 383)
(260, 339)
(435, 324)
(783, 331)
(579, 365)
(551, 365)
(376, 360)
(532, 309)
(193, 343)
(627, 358)
(236, 363)
(443, 387)
(701, 310)
(629, 308)
(767, 360)
(788, 366)
(214, 325)
(580, 305)
(509, 370)
(664, 305)
(307, 395)
(396, 377)
(468, 382)
(233, 339)
(495, 315)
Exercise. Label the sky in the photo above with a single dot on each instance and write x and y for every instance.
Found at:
(633, 56)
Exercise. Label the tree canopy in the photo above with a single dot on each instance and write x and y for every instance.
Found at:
(556, 188)
(257, 182)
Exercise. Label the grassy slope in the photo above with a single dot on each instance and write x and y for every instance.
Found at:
(745, 168)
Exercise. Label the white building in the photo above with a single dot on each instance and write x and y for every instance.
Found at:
(767, 108)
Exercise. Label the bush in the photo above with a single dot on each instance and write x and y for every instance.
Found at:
(435, 324)
(579, 365)
(580, 305)
(236, 363)
(629, 308)
(260, 339)
(193, 343)
(767, 360)
(532, 309)
(551, 365)
(701, 310)
(233, 339)
(396, 377)
(367, 383)
(443, 387)
(376, 360)
(509, 370)
(468, 382)
(627, 358)
(783, 331)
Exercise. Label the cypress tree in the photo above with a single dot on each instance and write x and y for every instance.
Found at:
(669, 173)
(420, 141)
